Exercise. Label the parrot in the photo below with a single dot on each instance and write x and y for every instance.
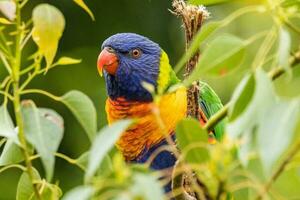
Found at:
(128, 61)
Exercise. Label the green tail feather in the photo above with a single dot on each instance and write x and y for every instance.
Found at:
(210, 103)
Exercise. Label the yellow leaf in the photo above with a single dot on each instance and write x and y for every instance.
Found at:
(67, 61)
(48, 26)
(85, 7)
(4, 21)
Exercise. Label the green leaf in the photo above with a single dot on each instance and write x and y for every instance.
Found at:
(105, 167)
(265, 123)
(147, 187)
(205, 32)
(6, 125)
(24, 189)
(83, 159)
(241, 97)
(207, 2)
(102, 144)
(123, 196)
(50, 192)
(83, 109)
(47, 191)
(247, 115)
(222, 55)
(288, 181)
(67, 61)
(290, 3)
(284, 49)
(247, 146)
(189, 132)
(11, 154)
(276, 131)
(80, 193)
(85, 7)
(44, 130)
(48, 26)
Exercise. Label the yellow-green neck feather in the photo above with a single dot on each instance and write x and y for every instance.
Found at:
(166, 76)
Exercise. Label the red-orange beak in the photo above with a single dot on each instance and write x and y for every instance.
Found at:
(108, 61)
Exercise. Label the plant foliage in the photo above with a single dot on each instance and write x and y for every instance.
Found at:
(256, 159)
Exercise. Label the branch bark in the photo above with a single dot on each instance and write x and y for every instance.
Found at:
(192, 18)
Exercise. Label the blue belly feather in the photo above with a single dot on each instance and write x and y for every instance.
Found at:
(165, 159)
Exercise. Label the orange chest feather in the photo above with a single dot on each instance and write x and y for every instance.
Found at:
(147, 131)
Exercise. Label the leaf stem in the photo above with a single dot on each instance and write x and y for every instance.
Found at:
(4, 40)
(2, 141)
(7, 94)
(38, 91)
(5, 62)
(64, 157)
(69, 160)
(16, 100)
(13, 166)
(28, 80)
(265, 48)
(37, 71)
(238, 13)
(292, 26)
(27, 69)
(214, 120)
(25, 40)
(20, 124)
(23, 3)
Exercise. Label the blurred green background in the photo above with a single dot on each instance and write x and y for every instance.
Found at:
(82, 38)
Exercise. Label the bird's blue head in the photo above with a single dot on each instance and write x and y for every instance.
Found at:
(127, 60)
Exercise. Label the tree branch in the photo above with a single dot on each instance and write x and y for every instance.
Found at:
(17, 100)
(192, 17)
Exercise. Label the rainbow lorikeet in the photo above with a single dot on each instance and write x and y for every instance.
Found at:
(128, 60)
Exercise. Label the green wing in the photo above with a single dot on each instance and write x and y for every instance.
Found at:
(210, 103)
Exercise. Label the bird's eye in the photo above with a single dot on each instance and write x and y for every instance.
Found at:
(136, 53)
(110, 49)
